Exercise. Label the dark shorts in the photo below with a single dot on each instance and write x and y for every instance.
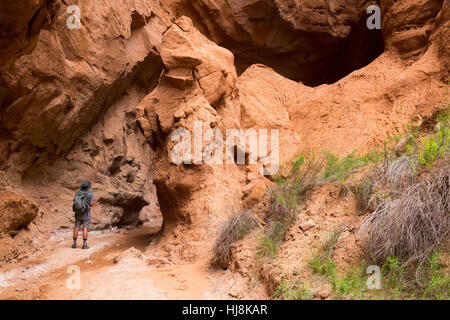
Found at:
(82, 220)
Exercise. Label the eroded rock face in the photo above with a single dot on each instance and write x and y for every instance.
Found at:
(114, 156)
(441, 37)
(408, 25)
(20, 24)
(194, 198)
(54, 95)
(150, 215)
(310, 41)
(67, 114)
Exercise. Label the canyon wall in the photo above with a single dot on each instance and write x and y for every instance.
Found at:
(68, 115)
(102, 102)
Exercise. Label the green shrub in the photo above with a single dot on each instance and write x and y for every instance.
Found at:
(438, 286)
(294, 291)
(321, 263)
(426, 281)
(323, 266)
(438, 145)
(354, 282)
(393, 273)
(273, 238)
(429, 153)
(337, 169)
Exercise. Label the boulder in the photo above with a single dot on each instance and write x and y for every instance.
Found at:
(185, 50)
(323, 292)
(307, 225)
(150, 215)
(16, 212)
(129, 255)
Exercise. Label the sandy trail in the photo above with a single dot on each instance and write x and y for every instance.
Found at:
(46, 274)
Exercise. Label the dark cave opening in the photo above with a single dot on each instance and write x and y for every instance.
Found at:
(306, 53)
(131, 208)
(302, 50)
(360, 48)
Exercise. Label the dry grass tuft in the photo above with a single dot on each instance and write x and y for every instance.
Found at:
(413, 225)
(332, 240)
(364, 195)
(233, 229)
(396, 174)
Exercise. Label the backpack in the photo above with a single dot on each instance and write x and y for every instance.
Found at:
(81, 202)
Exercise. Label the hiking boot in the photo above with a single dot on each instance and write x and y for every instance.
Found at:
(85, 246)
(74, 246)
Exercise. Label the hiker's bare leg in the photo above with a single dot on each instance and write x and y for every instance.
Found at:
(75, 233)
(85, 236)
(75, 236)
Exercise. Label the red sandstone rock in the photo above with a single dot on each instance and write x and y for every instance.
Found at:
(101, 103)
(16, 212)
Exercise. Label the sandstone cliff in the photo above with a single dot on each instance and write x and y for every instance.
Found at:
(102, 102)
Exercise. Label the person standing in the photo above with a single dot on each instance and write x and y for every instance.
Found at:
(82, 206)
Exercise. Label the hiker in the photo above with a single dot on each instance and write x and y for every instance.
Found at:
(82, 204)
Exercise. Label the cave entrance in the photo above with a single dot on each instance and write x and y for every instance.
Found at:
(314, 59)
(131, 209)
(362, 47)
